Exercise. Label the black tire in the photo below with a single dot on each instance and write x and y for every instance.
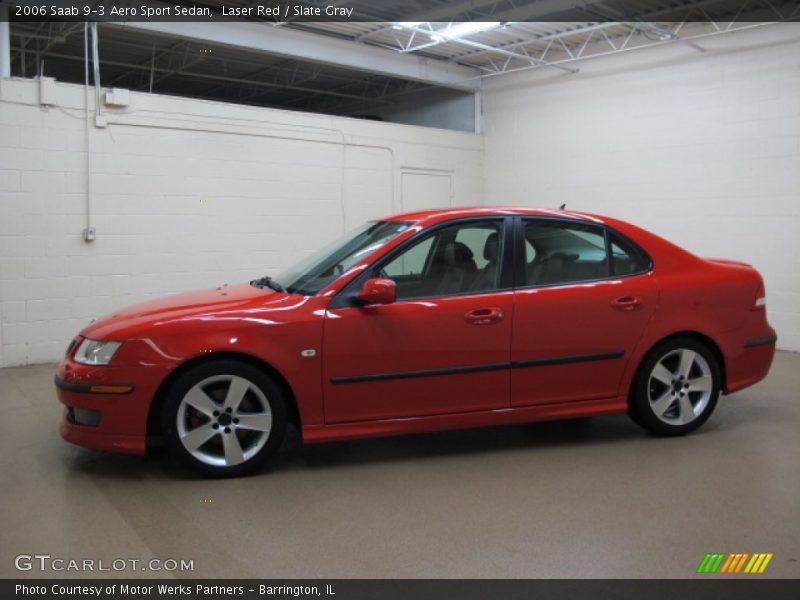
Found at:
(261, 402)
(686, 401)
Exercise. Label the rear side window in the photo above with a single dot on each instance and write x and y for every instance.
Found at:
(564, 252)
(626, 259)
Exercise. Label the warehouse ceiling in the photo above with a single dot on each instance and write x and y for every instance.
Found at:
(474, 38)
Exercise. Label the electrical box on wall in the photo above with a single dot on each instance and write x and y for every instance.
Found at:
(47, 91)
(118, 97)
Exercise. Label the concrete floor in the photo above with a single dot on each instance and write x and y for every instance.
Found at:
(589, 498)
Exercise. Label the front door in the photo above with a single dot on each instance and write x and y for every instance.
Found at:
(442, 347)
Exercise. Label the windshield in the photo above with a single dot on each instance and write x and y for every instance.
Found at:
(312, 274)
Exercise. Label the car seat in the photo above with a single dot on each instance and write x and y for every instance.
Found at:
(555, 268)
(459, 269)
(486, 279)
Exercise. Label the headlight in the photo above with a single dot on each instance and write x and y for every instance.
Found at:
(95, 352)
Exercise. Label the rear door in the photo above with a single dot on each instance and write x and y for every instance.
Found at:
(583, 301)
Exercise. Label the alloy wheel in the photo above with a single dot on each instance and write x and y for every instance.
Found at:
(224, 420)
(680, 386)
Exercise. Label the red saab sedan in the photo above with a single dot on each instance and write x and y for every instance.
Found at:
(423, 322)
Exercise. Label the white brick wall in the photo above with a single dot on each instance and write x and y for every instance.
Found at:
(186, 194)
(703, 149)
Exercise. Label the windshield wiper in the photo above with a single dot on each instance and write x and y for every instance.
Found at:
(269, 282)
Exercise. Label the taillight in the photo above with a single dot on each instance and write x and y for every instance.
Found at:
(761, 298)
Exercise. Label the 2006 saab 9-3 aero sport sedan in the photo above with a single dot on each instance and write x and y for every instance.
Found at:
(422, 322)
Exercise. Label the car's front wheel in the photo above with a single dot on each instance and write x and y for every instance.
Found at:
(676, 387)
(224, 418)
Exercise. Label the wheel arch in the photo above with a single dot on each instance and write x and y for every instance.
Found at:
(695, 335)
(159, 398)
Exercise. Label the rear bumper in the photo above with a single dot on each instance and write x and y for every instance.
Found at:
(768, 340)
(750, 363)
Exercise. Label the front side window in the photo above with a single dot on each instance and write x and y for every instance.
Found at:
(312, 274)
(459, 259)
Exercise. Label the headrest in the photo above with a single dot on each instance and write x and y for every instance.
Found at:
(457, 252)
(490, 247)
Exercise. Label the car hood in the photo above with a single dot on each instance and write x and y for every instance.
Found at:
(225, 302)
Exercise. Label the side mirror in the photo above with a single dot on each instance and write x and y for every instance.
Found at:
(377, 291)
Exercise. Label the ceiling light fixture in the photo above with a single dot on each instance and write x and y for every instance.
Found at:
(455, 31)
(452, 31)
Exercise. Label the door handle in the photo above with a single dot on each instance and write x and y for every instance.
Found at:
(627, 303)
(484, 316)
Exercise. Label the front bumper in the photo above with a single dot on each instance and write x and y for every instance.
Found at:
(106, 408)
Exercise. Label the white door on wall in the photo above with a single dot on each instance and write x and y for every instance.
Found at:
(426, 189)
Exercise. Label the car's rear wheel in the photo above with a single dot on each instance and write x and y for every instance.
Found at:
(224, 418)
(676, 387)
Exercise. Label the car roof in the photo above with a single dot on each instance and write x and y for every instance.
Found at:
(428, 217)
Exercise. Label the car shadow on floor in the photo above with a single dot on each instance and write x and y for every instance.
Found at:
(479, 442)
(294, 456)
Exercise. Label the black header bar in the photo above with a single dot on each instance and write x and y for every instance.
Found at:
(379, 11)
